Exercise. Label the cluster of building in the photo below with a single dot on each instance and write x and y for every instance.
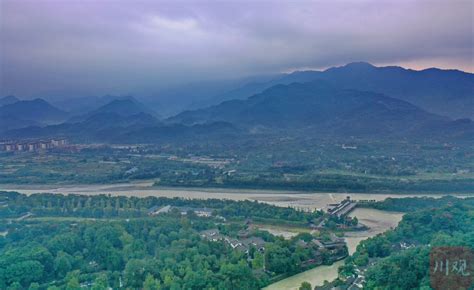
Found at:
(32, 145)
(242, 245)
(201, 212)
(335, 247)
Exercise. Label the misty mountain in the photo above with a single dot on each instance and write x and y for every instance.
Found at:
(8, 122)
(173, 100)
(37, 110)
(8, 100)
(79, 106)
(89, 129)
(139, 128)
(315, 109)
(444, 92)
(124, 107)
(320, 108)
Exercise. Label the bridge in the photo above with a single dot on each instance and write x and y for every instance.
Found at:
(343, 208)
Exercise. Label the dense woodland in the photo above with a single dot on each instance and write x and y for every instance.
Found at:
(410, 204)
(106, 206)
(104, 241)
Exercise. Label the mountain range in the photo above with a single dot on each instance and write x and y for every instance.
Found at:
(322, 109)
(18, 114)
(443, 92)
(124, 107)
(354, 100)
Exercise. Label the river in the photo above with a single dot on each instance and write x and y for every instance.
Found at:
(302, 200)
(378, 222)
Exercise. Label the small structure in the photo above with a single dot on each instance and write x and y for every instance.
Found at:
(156, 210)
(256, 242)
(201, 212)
(212, 235)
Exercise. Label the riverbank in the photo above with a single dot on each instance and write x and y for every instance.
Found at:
(296, 199)
(378, 222)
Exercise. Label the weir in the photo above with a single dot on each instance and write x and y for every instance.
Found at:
(343, 208)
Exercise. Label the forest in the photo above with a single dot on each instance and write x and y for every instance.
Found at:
(68, 242)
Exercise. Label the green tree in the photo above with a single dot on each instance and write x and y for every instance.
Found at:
(134, 273)
(101, 283)
(15, 286)
(257, 262)
(305, 286)
(151, 283)
(73, 281)
(62, 264)
(34, 286)
(278, 259)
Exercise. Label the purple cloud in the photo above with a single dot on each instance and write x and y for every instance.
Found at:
(116, 46)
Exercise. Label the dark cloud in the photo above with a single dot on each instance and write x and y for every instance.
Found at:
(115, 46)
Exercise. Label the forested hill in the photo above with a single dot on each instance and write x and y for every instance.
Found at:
(444, 92)
(319, 108)
(400, 259)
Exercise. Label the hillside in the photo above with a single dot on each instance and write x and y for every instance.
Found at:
(322, 109)
(444, 92)
(124, 107)
(8, 100)
(34, 111)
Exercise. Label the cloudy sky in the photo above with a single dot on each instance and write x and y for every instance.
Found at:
(92, 47)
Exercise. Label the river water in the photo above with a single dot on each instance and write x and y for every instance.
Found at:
(302, 200)
(378, 222)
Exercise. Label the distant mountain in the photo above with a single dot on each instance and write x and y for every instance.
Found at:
(8, 100)
(11, 123)
(124, 107)
(37, 110)
(314, 109)
(82, 105)
(320, 108)
(444, 92)
(89, 128)
(139, 128)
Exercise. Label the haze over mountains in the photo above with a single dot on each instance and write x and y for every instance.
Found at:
(322, 109)
(444, 92)
(17, 114)
(353, 100)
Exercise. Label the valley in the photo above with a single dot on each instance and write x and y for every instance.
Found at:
(236, 145)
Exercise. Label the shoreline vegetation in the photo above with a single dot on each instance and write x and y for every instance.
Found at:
(400, 258)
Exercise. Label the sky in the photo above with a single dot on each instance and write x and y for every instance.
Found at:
(93, 47)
